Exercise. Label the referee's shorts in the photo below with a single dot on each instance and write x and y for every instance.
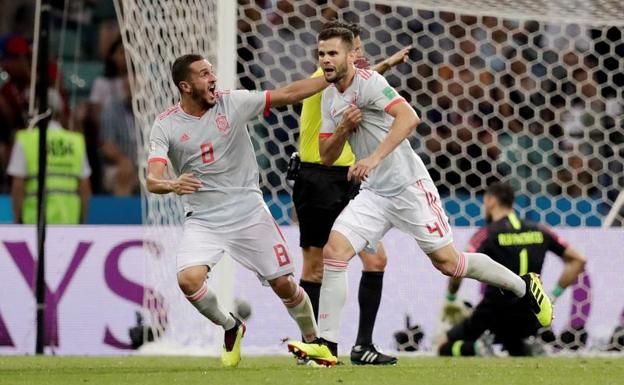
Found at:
(319, 195)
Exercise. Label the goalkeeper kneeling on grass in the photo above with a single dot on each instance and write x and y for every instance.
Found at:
(521, 246)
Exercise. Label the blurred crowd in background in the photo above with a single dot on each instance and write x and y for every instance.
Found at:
(538, 104)
(88, 72)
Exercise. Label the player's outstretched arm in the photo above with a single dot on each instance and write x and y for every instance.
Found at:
(574, 266)
(297, 91)
(397, 58)
(157, 184)
(405, 121)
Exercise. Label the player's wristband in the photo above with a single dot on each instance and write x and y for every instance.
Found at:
(557, 291)
(451, 297)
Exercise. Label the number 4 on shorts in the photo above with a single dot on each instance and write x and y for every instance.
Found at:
(435, 229)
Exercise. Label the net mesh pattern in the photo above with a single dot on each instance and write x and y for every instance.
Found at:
(535, 103)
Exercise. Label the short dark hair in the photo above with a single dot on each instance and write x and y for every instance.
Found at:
(354, 28)
(342, 33)
(181, 67)
(503, 192)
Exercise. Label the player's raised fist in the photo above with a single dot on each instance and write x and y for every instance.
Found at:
(351, 118)
(186, 184)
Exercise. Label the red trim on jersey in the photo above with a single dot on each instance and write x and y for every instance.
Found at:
(168, 112)
(364, 73)
(392, 103)
(157, 159)
(267, 103)
(325, 135)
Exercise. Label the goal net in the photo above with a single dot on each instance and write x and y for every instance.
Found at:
(154, 34)
(527, 91)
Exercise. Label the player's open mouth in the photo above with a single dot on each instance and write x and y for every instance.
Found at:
(328, 71)
(211, 91)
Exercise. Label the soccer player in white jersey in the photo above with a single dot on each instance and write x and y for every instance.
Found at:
(205, 140)
(397, 191)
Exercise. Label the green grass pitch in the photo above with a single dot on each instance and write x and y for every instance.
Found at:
(282, 370)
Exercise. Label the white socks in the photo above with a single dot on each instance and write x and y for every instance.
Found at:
(206, 302)
(332, 299)
(485, 269)
(300, 309)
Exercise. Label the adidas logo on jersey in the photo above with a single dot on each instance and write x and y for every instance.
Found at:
(184, 137)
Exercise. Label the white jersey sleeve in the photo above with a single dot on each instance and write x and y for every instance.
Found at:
(159, 144)
(328, 126)
(379, 95)
(249, 104)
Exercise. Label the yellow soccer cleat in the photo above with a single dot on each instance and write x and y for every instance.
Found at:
(538, 300)
(315, 352)
(231, 355)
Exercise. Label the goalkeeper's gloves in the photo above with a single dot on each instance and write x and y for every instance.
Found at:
(556, 293)
(453, 312)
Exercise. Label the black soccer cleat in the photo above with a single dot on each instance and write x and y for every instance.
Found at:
(370, 355)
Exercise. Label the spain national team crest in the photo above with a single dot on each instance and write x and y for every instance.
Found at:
(222, 123)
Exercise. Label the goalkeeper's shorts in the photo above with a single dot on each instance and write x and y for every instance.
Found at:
(416, 211)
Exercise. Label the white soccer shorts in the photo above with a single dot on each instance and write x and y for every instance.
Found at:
(257, 243)
(417, 211)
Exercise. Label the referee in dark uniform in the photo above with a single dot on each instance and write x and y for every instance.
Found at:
(521, 246)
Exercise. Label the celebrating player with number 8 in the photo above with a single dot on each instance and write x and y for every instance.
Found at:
(205, 140)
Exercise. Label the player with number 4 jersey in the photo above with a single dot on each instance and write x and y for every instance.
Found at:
(362, 108)
(204, 139)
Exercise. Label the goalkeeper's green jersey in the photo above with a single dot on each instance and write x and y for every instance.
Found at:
(310, 128)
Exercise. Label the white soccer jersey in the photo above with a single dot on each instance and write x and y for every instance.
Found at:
(216, 149)
(373, 96)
